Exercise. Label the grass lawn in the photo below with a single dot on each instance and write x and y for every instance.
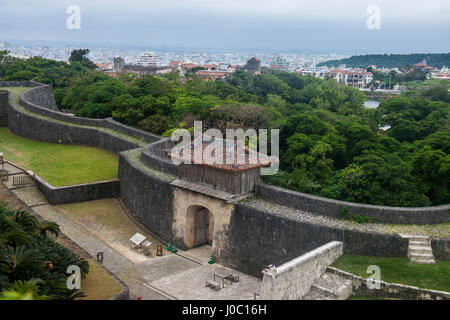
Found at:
(99, 284)
(400, 270)
(59, 164)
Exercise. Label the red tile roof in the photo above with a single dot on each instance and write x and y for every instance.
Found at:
(203, 153)
(189, 65)
(420, 64)
(175, 63)
(210, 73)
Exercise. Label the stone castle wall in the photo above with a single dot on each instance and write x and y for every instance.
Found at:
(28, 125)
(78, 193)
(259, 238)
(147, 194)
(253, 237)
(331, 207)
(389, 290)
(4, 101)
(153, 155)
(293, 279)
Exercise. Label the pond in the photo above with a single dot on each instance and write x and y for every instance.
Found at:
(371, 104)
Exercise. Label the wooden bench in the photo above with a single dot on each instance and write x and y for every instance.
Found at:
(213, 285)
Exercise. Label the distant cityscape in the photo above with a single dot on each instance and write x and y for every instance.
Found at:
(219, 65)
(291, 61)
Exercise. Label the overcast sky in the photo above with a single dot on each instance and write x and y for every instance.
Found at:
(301, 25)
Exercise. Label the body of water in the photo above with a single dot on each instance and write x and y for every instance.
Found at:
(371, 104)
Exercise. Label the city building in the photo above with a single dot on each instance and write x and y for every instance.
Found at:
(120, 66)
(443, 74)
(423, 66)
(148, 59)
(212, 75)
(253, 66)
(357, 78)
(319, 72)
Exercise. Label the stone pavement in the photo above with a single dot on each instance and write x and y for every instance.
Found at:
(113, 261)
(191, 284)
(162, 267)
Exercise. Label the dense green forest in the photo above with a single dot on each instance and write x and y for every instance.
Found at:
(437, 60)
(330, 145)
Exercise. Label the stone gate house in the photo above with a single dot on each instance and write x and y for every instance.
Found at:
(214, 174)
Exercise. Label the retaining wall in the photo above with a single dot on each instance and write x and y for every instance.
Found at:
(259, 238)
(292, 280)
(78, 193)
(390, 290)
(441, 249)
(331, 208)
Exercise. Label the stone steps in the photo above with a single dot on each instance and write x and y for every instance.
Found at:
(419, 249)
(423, 260)
(329, 287)
(419, 244)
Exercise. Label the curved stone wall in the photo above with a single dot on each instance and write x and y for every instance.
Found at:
(257, 238)
(106, 133)
(42, 96)
(253, 237)
(147, 194)
(30, 126)
(40, 100)
(154, 156)
(331, 207)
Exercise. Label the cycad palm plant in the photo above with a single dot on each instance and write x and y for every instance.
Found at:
(32, 265)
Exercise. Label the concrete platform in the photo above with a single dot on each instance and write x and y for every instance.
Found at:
(190, 285)
(161, 267)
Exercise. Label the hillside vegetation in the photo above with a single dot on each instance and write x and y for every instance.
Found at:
(437, 60)
(330, 145)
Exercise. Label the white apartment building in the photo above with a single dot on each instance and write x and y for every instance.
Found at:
(148, 59)
(357, 78)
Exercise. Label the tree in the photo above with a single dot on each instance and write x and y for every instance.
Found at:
(156, 124)
(377, 178)
(432, 168)
(80, 55)
(33, 266)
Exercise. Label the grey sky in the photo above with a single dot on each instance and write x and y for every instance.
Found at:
(318, 26)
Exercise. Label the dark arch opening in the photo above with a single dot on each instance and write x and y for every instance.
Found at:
(203, 226)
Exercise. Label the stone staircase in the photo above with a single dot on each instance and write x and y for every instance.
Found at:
(330, 286)
(419, 249)
(3, 108)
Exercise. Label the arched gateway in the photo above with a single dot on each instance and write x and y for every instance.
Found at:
(201, 222)
(205, 191)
